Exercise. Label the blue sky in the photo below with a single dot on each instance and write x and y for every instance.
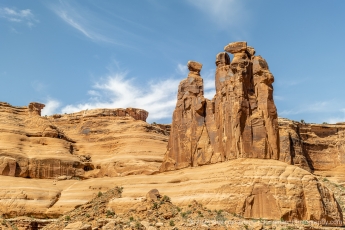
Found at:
(74, 55)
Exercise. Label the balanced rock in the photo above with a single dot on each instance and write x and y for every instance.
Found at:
(236, 47)
(194, 66)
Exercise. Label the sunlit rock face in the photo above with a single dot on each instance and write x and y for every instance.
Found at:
(239, 122)
(86, 144)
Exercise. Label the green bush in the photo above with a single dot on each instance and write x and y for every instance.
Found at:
(155, 205)
(166, 198)
(110, 213)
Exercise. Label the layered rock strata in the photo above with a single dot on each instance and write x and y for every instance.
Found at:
(252, 188)
(77, 145)
(313, 147)
(137, 114)
(239, 122)
(32, 147)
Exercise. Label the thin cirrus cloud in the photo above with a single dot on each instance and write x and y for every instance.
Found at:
(223, 12)
(18, 16)
(341, 118)
(317, 107)
(319, 111)
(118, 91)
(85, 22)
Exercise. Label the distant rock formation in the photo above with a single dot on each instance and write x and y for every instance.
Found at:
(313, 147)
(33, 146)
(35, 108)
(137, 114)
(241, 120)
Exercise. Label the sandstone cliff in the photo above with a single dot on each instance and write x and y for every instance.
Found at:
(314, 147)
(91, 143)
(32, 147)
(239, 122)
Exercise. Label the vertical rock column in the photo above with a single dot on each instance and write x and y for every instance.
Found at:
(235, 102)
(241, 120)
(188, 132)
(223, 101)
(245, 114)
(267, 111)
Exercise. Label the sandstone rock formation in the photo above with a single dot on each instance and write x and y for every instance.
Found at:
(118, 141)
(314, 147)
(32, 147)
(104, 146)
(188, 119)
(241, 120)
(90, 143)
(35, 108)
(252, 188)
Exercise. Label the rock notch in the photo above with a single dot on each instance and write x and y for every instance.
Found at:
(239, 122)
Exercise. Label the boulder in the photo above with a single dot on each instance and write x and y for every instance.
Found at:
(153, 195)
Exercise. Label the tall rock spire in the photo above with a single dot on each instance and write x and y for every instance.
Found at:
(241, 120)
(188, 120)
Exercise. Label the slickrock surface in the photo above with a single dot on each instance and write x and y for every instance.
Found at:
(240, 122)
(251, 188)
(117, 144)
(91, 143)
(161, 213)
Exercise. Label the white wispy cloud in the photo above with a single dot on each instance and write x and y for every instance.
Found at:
(333, 120)
(18, 16)
(209, 84)
(316, 107)
(278, 98)
(223, 12)
(182, 69)
(51, 107)
(83, 21)
(290, 82)
(330, 111)
(38, 86)
(118, 91)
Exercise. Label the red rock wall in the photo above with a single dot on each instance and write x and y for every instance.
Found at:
(240, 122)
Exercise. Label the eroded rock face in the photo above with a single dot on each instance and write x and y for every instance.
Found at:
(240, 122)
(78, 145)
(252, 188)
(188, 120)
(319, 147)
(35, 108)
